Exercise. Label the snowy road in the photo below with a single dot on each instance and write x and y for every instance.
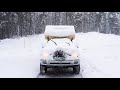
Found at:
(59, 73)
(99, 57)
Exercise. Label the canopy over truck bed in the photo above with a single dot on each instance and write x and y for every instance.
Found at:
(59, 31)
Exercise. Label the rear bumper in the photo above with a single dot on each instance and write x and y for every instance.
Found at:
(66, 63)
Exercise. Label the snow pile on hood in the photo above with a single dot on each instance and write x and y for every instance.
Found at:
(59, 44)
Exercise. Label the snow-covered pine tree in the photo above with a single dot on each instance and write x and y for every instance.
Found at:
(114, 22)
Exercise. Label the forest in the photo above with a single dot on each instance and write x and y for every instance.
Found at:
(19, 24)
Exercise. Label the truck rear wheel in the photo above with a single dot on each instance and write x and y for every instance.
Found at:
(76, 69)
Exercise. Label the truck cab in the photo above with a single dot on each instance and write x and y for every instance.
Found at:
(59, 49)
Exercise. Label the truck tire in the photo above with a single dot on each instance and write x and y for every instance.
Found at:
(76, 69)
(43, 69)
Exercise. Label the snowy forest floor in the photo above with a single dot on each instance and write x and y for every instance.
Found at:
(99, 57)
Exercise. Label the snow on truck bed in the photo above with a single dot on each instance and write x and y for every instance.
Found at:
(99, 56)
(59, 31)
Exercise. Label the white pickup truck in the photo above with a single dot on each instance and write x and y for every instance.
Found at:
(59, 50)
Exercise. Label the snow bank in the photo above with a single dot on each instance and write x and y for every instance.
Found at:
(99, 55)
(19, 58)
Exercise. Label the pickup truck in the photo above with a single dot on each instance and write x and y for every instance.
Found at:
(59, 50)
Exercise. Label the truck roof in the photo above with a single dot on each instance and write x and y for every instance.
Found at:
(59, 30)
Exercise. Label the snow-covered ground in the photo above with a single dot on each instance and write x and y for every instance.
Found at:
(99, 56)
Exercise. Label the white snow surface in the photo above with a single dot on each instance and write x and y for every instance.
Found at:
(99, 56)
(59, 30)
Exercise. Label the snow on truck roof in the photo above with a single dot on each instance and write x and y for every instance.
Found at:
(59, 30)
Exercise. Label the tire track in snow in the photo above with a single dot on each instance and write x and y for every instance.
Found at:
(87, 69)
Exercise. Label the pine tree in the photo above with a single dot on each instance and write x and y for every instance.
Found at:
(114, 22)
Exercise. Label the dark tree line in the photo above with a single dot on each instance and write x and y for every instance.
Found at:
(18, 24)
